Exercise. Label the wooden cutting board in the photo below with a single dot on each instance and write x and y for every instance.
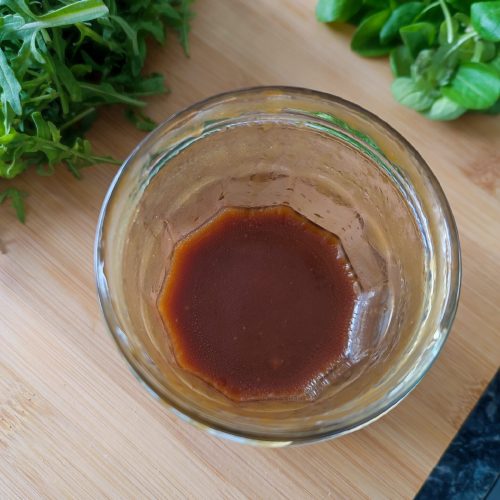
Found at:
(75, 423)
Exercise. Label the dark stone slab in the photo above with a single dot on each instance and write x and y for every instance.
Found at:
(470, 467)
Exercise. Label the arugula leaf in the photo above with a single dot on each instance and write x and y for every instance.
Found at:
(182, 24)
(105, 92)
(16, 199)
(18, 6)
(152, 26)
(78, 12)
(150, 85)
(60, 61)
(68, 81)
(129, 32)
(141, 121)
(11, 88)
(485, 17)
(475, 86)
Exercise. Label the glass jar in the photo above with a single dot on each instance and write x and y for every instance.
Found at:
(341, 167)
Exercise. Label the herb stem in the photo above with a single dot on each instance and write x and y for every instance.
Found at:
(111, 95)
(77, 118)
(86, 31)
(449, 23)
(460, 42)
(86, 157)
(427, 9)
(478, 51)
(41, 98)
(34, 82)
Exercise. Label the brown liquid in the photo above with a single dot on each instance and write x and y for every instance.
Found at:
(258, 303)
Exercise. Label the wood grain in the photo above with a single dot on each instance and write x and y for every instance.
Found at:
(75, 423)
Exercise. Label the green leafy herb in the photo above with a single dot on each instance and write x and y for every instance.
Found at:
(418, 36)
(328, 11)
(485, 17)
(445, 109)
(444, 54)
(475, 86)
(11, 89)
(60, 61)
(400, 17)
(141, 121)
(401, 61)
(365, 40)
(16, 199)
(461, 5)
(415, 95)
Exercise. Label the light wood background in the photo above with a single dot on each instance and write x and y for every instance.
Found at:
(73, 420)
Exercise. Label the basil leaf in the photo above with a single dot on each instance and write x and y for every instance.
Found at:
(411, 94)
(424, 63)
(445, 109)
(328, 11)
(467, 50)
(489, 51)
(485, 17)
(365, 40)
(400, 16)
(378, 4)
(475, 86)
(449, 30)
(461, 5)
(495, 63)
(401, 61)
(441, 67)
(495, 109)
(432, 13)
(418, 36)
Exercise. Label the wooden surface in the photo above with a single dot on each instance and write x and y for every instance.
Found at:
(73, 420)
